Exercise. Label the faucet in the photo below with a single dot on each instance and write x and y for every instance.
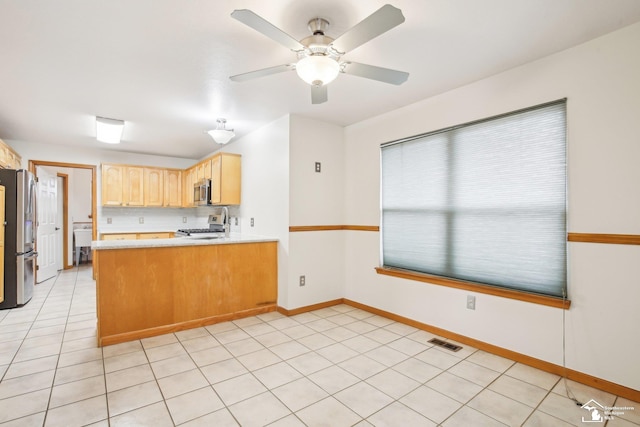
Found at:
(227, 223)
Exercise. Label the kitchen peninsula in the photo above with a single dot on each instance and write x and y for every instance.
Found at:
(152, 287)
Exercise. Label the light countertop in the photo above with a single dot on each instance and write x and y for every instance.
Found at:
(234, 238)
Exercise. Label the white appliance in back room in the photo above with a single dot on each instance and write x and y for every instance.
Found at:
(20, 236)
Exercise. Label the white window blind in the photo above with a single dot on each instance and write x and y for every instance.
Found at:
(483, 202)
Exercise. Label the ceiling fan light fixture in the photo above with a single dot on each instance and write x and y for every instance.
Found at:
(109, 130)
(220, 134)
(318, 69)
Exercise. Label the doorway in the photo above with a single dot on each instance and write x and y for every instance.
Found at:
(67, 261)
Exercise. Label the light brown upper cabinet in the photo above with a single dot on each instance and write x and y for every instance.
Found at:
(133, 186)
(9, 159)
(122, 185)
(225, 179)
(204, 170)
(112, 180)
(173, 188)
(129, 185)
(189, 178)
(154, 187)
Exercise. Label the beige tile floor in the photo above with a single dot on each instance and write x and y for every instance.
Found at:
(336, 366)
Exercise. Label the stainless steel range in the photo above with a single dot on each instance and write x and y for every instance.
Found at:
(218, 226)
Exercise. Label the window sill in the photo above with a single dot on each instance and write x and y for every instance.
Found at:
(475, 287)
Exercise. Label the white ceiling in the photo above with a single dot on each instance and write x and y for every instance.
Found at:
(163, 66)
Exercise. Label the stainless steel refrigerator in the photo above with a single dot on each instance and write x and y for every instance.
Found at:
(20, 236)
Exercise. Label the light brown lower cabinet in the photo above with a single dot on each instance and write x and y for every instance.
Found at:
(136, 236)
(145, 292)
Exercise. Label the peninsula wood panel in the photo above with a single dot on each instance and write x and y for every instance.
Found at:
(145, 288)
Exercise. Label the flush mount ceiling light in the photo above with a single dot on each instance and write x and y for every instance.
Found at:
(220, 134)
(109, 130)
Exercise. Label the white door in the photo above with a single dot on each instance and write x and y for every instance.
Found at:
(47, 206)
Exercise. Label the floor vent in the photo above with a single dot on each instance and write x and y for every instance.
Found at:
(445, 344)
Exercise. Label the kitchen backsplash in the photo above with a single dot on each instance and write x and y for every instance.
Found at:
(116, 219)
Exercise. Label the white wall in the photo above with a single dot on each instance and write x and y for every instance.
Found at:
(316, 199)
(600, 80)
(265, 190)
(281, 188)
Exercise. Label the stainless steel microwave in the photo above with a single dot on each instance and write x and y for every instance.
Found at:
(202, 192)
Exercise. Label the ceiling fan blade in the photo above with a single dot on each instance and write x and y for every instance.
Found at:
(319, 94)
(372, 26)
(265, 27)
(263, 72)
(385, 75)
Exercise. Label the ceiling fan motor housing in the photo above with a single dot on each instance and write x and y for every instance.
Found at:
(318, 43)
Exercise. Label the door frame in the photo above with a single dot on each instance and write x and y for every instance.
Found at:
(94, 203)
(65, 219)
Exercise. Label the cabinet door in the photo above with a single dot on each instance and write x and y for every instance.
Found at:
(206, 169)
(216, 169)
(112, 180)
(119, 236)
(189, 180)
(153, 187)
(173, 188)
(3, 156)
(133, 186)
(145, 236)
(225, 180)
(17, 162)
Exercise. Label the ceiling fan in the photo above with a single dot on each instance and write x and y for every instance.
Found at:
(319, 55)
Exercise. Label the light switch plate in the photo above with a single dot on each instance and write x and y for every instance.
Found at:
(471, 302)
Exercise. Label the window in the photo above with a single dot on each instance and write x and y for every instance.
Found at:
(483, 202)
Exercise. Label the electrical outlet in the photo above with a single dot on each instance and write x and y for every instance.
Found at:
(318, 167)
(141, 220)
(303, 280)
(236, 221)
(109, 220)
(184, 219)
(471, 302)
(252, 222)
